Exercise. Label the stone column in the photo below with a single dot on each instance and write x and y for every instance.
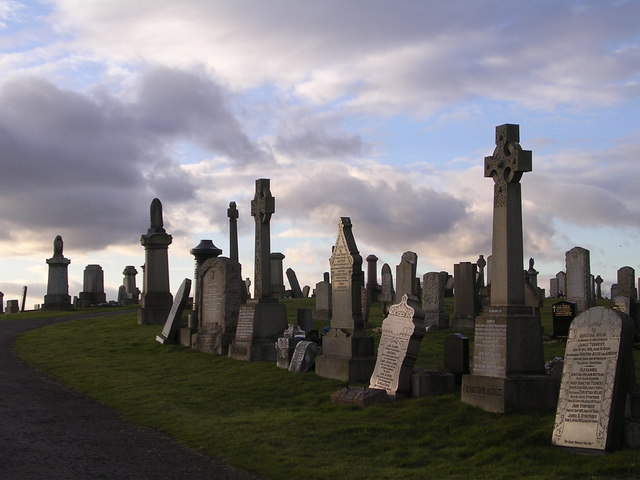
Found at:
(578, 278)
(263, 206)
(156, 297)
(232, 213)
(201, 252)
(1, 303)
(132, 292)
(92, 287)
(57, 297)
(372, 279)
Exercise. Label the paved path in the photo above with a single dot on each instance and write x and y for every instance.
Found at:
(49, 431)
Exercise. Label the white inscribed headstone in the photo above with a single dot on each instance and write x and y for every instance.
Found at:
(595, 378)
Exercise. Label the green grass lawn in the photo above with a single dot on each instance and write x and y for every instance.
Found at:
(278, 425)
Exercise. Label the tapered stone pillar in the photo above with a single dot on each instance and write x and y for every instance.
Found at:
(57, 297)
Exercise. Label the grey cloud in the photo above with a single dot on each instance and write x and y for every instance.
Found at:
(318, 143)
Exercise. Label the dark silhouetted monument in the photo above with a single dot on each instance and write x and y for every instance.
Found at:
(57, 297)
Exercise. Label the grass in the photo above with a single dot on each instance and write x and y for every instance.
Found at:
(278, 425)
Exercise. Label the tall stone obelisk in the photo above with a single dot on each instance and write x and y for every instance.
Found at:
(508, 364)
(57, 297)
(156, 297)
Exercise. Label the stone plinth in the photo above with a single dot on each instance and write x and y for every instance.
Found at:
(92, 287)
(57, 297)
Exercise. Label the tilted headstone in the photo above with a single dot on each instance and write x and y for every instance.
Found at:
(286, 345)
(304, 356)
(23, 298)
(305, 291)
(347, 351)
(402, 332)
(563, 313)
(508, 372)
(626, 283)
(92, 287)
(323, 299)
(218, 301)
(597, 375)
(156, 297)
(406, 276)
(57, 297)
(433, 286)
(261, 321)
(466, 305)
(296, 291)
(170, 331)
(579, 278)
(277, 277)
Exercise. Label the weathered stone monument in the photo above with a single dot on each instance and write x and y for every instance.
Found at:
(13, 306)
(92, 287)
(387, 292)
(578, 278)
(218, 298)
(172, 324)
(57, 297)
(232, 213)
(296, 291)
(304, 356)
(433, 285)
(553, 288)
(323, 298)
(563, 313)
(466, 304)
(261, 321)
(201, 253)
(597, 376)
(406, 276)
(373, 289)
(277, 278)
(562, 283)
(598, 281)
(402, 332)
(156, 296)
(508, 371)
(627, 282)
(131, 291)
(347, 349)
(286, 345)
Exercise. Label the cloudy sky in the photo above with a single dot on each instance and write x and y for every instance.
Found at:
(382, 111)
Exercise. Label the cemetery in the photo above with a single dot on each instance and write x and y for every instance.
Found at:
(359, 379)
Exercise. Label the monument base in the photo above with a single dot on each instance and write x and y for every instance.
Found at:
(346, 357)
(511, 394)
(260, 324)
(57, 302)
(87, 299)
(153, 315)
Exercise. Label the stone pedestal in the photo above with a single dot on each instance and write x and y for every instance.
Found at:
(57, 297)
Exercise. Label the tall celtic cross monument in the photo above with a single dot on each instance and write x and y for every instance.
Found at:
(508, 363)
(261, 321)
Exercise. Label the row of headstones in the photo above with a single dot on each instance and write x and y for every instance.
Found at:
(14, 306)
(58, 298)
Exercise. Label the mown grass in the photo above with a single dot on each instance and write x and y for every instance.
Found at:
(279, 425)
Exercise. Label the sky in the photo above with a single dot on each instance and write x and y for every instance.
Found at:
(381, 111)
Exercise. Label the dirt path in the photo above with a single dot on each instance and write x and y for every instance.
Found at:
(49, 431)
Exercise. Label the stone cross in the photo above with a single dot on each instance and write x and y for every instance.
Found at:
(232, 213)
(506, 166)
(263, 206)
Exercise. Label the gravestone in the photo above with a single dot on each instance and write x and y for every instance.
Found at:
(373, 289)
(323, 299)
(562, 283)
(296, 291)
(286, 345)
(433, 286)
(57, 297)
(387, 293)
(402, 332)
(305, 291)
(579, 278)
(170, 331)
(406, 276)
(122, 295)
(201, 253)
(347, 351)
(156, 296)
(626, 283)
(131, 291)
(13, 306)
(553, 288)
(448, 288)
(563, 313)
(597, 376)
(508, 372)
(598, 281)
(304, 356)
(277, 278)
(532, 274)
(218, 301)
(1, 303)
(92, 287)
(456, 355)
(466, 305)
(262, 320)
(23, 298)
(232, 213)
